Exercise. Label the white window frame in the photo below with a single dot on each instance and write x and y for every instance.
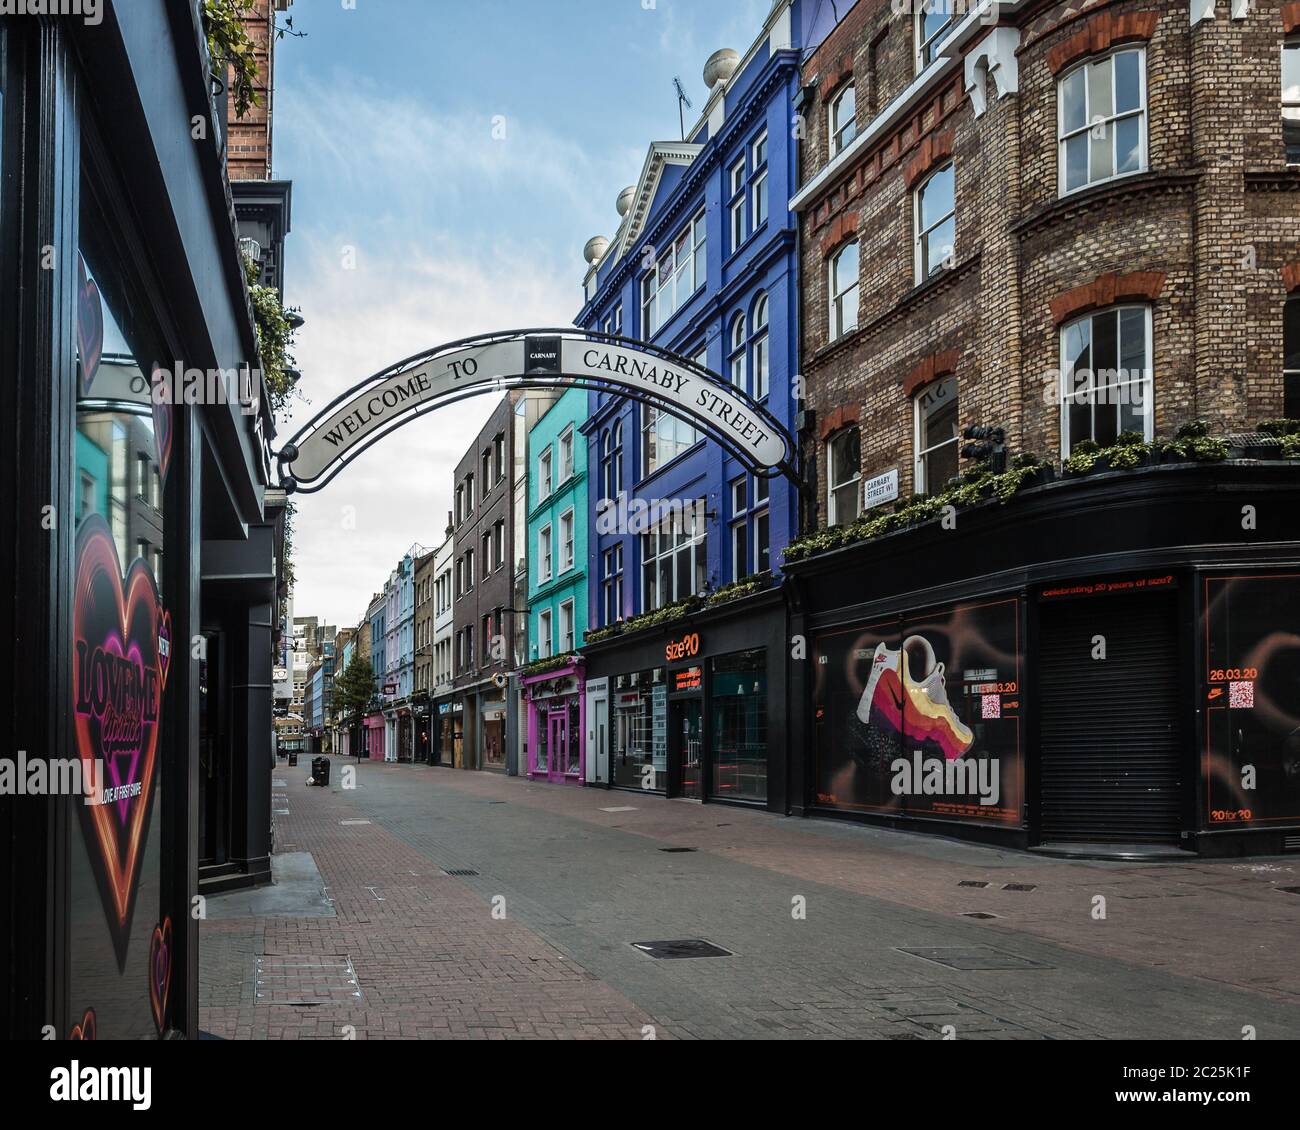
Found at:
(919, 485)
(545, 474)
(840, 129)
(566, 541)
(545, 637)
(760, 205)
(760, 347)
(566, 454)
(1290, 96)
(1066, 394)
(839, 308)
(736, 352)
(736, 205)
(740, 528)
(567, 640)
(921, 45)
(1141, 113)
(659, 285)
(693, 539)
(920, 259)
(545, 553)
(833, 518)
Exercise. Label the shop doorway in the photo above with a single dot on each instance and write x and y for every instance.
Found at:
(600, 727)
(1110, 745)
(686, 731)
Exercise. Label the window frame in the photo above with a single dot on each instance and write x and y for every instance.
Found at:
(565, 442)
(919, 483)
(760, 346)
(545, 559)
(1142, 113)
(567, 546)
(1148, 379)
(838, 328)
(832, 487)
(1290, 43)
(922, 272)
(836, 130)
(736, 203)
(545, 635)
(921, 45)
(545, 474)
(758, 181)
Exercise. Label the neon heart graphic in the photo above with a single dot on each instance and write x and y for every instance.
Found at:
(90, 325)
(85, 1028)
(160, 971)
(117, 694)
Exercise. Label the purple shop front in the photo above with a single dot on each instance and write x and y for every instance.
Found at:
(557, 716)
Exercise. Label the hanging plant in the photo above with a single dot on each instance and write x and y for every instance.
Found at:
(230, 47)
(274, 337)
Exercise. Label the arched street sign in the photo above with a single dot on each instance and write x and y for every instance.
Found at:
(547, 358)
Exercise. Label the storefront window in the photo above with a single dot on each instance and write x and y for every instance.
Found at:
(641, 731)
(738, 705)
(574, 732)
(120, 650)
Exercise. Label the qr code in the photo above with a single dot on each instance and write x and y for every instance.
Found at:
(990, 706)
(1241, 696)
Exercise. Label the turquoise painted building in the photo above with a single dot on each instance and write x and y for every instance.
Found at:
(557, 588)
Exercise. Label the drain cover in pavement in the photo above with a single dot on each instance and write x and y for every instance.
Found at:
(1290, 890)
(972, 883)
(306, 978)
(977, 914)
(1019, 886)
(462, 872)
(677, 849)
(975, 957)
(684, 947)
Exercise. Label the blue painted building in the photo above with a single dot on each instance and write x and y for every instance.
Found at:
(704, 263)
(374, 723)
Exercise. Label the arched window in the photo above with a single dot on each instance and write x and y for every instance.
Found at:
(1106, 376)
(935, 222)
(736, 357)
(933, 18)
(935, 409)
(759, 348)
(1101, 120)
(606, 466)
(843, 124)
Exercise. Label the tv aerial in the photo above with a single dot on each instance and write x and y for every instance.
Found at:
(683, 99)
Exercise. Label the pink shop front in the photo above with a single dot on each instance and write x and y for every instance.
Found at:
(556, 719)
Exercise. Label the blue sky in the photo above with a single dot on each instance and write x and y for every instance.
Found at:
(413, 224)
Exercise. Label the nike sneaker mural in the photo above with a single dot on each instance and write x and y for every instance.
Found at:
(893, 692)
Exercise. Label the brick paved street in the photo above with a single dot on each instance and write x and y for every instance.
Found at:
(1186, 950)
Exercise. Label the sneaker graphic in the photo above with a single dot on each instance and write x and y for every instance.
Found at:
(930, 718)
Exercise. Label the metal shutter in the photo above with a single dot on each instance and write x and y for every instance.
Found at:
(1110, 755)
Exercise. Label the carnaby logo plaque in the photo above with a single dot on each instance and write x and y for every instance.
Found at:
(117, 683)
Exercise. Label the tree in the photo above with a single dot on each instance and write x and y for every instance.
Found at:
(354, 689)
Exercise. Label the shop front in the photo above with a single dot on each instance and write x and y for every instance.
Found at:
(1115, 681)
(374, 737)
(696, 708)
(140, 527)
(556, 713)
(448, 731)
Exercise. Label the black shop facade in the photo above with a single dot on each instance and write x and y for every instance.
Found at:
(143, 528)
(694, 708)
(1104, 667)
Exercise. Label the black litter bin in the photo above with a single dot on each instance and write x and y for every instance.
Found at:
(320, 770)
(293, 757)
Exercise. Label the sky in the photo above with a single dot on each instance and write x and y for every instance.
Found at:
(413, 224)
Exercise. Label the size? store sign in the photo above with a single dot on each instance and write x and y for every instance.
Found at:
(685, 648)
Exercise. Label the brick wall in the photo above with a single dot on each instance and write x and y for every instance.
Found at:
(1202, 236)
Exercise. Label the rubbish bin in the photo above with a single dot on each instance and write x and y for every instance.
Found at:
(293, 757)
(320, 770)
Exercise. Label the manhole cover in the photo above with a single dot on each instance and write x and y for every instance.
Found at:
(461, 872)
(306, 978)
(1019, 886)
(975, 957)
(677, 849)
(684, 947)
(972, 883)
(977, 914)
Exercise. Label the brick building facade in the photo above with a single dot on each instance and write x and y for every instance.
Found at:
(1076, 222)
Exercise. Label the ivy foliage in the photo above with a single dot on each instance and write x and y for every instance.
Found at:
(229, 44)
(685, 607)
(274, 337)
